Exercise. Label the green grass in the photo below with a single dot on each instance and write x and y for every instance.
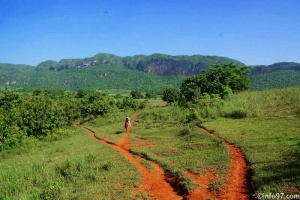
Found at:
(272, 147)
(157, 102)
(179, 147)
(267, 132)
(266, 128)
(73, 168)
(111, 133)
(110, 128)
(122, 92)
(260, 104)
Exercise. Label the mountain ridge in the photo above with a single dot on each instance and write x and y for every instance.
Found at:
(145, 72)
(161, 64)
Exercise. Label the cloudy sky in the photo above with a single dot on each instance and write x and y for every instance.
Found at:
(251, 31)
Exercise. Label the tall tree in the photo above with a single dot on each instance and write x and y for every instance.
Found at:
(219, 79)
(170, 95)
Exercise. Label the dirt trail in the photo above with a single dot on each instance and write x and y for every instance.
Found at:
(203, 181)
(236, 186)
(153, 181)
(157, 183)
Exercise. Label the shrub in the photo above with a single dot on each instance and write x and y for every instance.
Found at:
(236, 114)
(184, 132)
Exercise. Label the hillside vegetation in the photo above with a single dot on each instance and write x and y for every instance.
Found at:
(44, 156)
(107, 71)
(156, 71)
(46, 152)
(277, 75)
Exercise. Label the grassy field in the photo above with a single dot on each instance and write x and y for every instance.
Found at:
(184, 147)
(176, 147)
(264, 125)
(272, 147)
(76, 167)
(122, 92)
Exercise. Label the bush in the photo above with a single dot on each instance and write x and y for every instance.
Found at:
(185, 131)
(150, 94)
(236, 114)
(170, 95)
(128, 102)
(136, 94)
(97, 104)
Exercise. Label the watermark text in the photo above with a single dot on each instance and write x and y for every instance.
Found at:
(279, 195)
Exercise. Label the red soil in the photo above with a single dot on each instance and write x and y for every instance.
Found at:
(203, 181)
(152, 180)
(236, 185)
(162, 185)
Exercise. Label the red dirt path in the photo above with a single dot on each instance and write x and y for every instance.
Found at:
(155, 182)
(203, 181)
(236, 186)
(152, 180)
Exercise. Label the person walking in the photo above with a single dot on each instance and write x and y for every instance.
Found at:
(127, 122)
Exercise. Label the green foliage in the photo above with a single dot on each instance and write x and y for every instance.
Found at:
(277, 79)
(178, 146)
(81, 93)
(97, 104)
(173, 65)
(276, 67)
(136, 94)
(150, 94)
(236, 114)
(130, 103)
(41, 115)
(271, 146)
(70, 168)
(267, 103)
(107, 71)
(170, 95)
(101, 75)
(221, 80)
(46, 113)
(9, 99)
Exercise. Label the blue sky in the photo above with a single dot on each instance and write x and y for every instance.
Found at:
(251, 31)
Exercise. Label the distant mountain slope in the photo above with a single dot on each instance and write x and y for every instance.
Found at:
(163, 64)
(263, 69)
(277, 75)
(160, 64)
(278, 79)
(51, 74)
(156, 71)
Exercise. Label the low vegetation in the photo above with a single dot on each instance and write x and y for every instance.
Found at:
(72, 168)
(46, 154)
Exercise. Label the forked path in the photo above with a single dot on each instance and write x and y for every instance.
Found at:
(153, 181)
(237, 184)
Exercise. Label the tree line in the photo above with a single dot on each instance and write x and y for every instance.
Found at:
(45, 114)
(214, 83)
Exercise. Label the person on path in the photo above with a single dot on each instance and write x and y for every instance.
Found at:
(127, 122)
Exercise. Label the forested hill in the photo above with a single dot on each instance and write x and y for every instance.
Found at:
(156, 71)
(263, 69)
(160, 64)
(277, 75)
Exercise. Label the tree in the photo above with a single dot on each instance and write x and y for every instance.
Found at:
(136, 94)
(230, 75)
(170, 95)
(220, 80)
(150, 94)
